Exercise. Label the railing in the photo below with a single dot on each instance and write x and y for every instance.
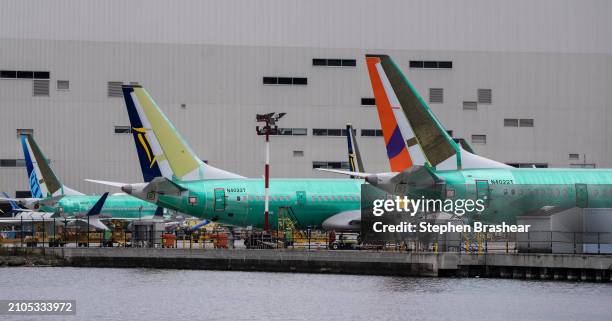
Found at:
(531, 242)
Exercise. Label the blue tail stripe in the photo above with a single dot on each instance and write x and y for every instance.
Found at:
(32, 179)
(149, 168)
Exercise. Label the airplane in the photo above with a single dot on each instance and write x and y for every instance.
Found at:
(50, 195)
(91, 217)
(190, 186)
(451, 171)
(349, 221)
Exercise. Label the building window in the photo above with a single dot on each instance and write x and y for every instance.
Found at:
(511, 122)
(63, 85)
(20, 162)
(485, 96)
(583, 165)
(525, 122)
(40, 87)
(334, 62)
(574, 156)
(436, 95)
(430, 64)
(25, 131)
(19, 74)
(368, 102)
(23, 194)
(298, 153)
(285, 81)
(333, 165)
(371, 132)
(114, 89)
(123, 129)
(8, 74)
(479, 139)
(292, 131)
(528, 165)
(470, 105)
(328, 132)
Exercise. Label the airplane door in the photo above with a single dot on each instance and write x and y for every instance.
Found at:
(482, 191)
(219, 199)
(301, 198)
(582, 195)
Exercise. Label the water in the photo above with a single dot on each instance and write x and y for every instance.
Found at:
(146, 294)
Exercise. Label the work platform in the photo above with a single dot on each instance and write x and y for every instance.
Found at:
(504, 265)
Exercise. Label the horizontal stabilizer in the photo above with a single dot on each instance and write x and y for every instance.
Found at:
(108, 183)
(349, 173)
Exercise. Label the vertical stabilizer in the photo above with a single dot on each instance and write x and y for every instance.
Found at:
(354, 157)
(402, 146)
(173, 156)
(393, 91)
(42, 180)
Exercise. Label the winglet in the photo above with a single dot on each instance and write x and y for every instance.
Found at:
(97, 208)
(159, 212)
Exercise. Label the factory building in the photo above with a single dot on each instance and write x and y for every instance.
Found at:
(527, 83)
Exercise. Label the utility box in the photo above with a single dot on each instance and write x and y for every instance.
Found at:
(147, 233)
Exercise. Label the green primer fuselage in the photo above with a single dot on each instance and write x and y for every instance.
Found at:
(240, 202)
(121, 207)
(509, 193)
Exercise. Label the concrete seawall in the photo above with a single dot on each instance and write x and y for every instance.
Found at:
(521, 265)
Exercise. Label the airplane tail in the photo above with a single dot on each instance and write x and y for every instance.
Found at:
(354, 157)
(160, 146)
(402, 146)
(395, 96)
(42, 180)
(148, 161)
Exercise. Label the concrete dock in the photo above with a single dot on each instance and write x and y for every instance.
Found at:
(515, 265)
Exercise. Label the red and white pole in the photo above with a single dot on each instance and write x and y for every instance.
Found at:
(267, 179)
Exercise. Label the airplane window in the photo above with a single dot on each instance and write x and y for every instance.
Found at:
(320, 198)
(327, 198)
(512, 191)
(520, 192)
(505, 191)
(346, 198)
(557, 192)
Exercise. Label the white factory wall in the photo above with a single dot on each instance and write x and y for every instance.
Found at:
(549, 61)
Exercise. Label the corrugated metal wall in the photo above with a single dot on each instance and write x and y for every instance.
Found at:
(222, 49)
